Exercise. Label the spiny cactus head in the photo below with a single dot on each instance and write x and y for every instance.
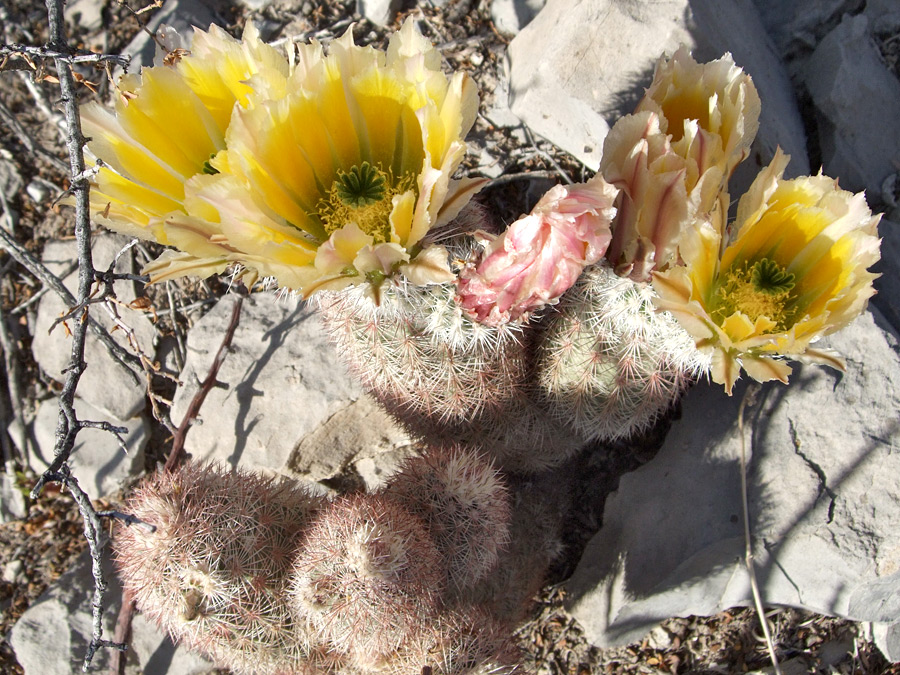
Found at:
(212, 572)
(461, 641)
(608, 363)
(366, 576)
(465, 504)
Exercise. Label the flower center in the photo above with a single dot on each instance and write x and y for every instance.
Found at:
(761, 289)
(363, 195)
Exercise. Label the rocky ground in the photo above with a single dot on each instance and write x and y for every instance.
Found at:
(473, 36)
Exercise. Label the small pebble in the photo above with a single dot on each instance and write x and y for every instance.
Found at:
(476, 59)
(12, 570)
(37, 191)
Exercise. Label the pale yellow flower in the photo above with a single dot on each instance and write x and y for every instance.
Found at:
(673, 157)
(320, 170)
(794, 269)
(168, 123)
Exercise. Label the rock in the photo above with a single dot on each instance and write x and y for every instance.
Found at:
(823, 507)
(887, 639)
(286, 404)
(178, 15)
(375, 471)
(379, 12)
(511, 16)
(38, 190)
(51, 637)
(12, 570)
(797, 25)
(328, 449)
(12, 501)
(858, 101)
(97, 461)
(888, 284)
(106, 383)
(85, 13)
(576, 70)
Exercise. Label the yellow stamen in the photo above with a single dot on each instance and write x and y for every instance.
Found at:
(759, 290)
(363, 195)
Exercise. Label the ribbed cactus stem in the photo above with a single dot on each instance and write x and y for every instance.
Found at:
(367, 577)
(444, 376)
(213, 573)
(608, 363)
(462, 499)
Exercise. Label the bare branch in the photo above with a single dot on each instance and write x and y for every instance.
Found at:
(24, 258)
(59, 52)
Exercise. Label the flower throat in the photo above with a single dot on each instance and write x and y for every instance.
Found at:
(363, 195)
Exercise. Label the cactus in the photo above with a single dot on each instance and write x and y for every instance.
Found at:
(608, 364)
(442, 375)
(461, 498)
(366, 578)
(213, 572)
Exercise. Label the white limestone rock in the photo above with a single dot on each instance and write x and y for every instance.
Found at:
(12, 501)
(823, 505)
(51, 637)
(511, 16)
(97, 461)
(285, 404)
(106, 383)
(379, 12)
(576, 69)
(858, 101)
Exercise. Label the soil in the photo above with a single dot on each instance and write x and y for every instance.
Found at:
(37, 549)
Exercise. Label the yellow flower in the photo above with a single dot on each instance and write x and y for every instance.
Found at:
(673, 157)
(794, 269)
(710, 110)
(318, 170)
(168, 123)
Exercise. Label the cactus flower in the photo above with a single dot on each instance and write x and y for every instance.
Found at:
(320, 170)
(795, 269)
(673, 157)
(540, 255)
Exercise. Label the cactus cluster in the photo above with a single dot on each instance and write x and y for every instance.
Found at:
(263, 578)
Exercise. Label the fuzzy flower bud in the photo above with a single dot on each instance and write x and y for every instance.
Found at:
(540, 255)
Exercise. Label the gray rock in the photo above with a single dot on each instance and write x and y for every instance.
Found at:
(106, 383)
(887, 639)
(858, 101)
(12, 501)
(797, 25)
(51, 637)
(86, 13)
(10, 180)
(888, 284)
(379, 12)
(511, 16)
(576, 70)
(286, 404)
(97, 461)
(823, 507)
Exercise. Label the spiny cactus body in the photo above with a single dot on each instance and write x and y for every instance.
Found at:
(367, 576)
(461, 498)
(443, 376)
(214, 570)
(608, 364)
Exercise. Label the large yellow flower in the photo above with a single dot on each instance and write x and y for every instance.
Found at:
(795, 269)
(672, 158)
(168, 123)
(318, 170)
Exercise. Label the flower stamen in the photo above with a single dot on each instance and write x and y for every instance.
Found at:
(363, 195)
(760, 290)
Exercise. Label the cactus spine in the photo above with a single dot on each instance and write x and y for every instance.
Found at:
(213, 571)
(608, 363)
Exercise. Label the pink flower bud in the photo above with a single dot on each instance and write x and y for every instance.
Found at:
(540, 255)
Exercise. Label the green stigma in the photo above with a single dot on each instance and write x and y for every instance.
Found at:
(360, 186)
(762, 289)
(209, 168)
(769, 277)
(363, 195)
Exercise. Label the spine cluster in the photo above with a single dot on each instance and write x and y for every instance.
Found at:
(262, 578)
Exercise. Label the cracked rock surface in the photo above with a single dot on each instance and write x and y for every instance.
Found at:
(822, 463)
